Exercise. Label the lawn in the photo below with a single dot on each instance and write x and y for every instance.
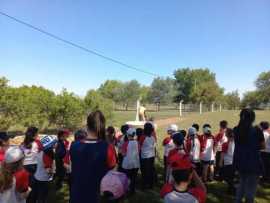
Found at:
(216, 190)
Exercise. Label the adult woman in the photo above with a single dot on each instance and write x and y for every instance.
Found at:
(91, 159)
(249, 141)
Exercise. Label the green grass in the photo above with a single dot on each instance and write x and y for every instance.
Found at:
(216, 190)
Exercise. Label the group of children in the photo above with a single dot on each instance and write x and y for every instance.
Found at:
(190, 160)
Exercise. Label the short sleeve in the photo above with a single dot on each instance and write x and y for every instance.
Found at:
(111, 157)
(166, 141)
(225, 147)
(22, 180)
(199, 194)
(166, 189)
(124, 148)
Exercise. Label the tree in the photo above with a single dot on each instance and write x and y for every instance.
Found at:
(251, 99)
(195, 85)
(95, 101)
(68, 111)
(232, 100)
(111, 89)
(263, 86)
(130, 93)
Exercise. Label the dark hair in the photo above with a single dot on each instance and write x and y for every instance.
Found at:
(247, 117)
(148, 129)
(80, 135)
(110, 134)
(3, 137)
(96, 123)
(223, 124)
(229, 133)
(264, 125)
(29, 138)
(183, 132)
(181, 175)
(196, 126)
(124, 129)
(207, 125)
(139, 132)
(60, 133)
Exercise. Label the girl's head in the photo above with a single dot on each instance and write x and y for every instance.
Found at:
(207, 129)
(139, 132)
(196, 126)
(80, 135)
(264, 125)
(172, 129)
(148, 129)
(178, 139)
(30, 135)
(124, 129)
(110, 134)
(4, 139)
(192, 132)
(13, 162)
(131, 133)
(63, 134)
(223, 125)
(247, 118)
(96, 124)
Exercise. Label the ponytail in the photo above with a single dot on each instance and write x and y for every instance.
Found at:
(96, 124)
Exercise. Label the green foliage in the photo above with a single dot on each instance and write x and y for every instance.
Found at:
(251, 99)
(195, 85)
(95, 101)
(162, 90)
(112, 89)
(263, 86)
(232, 100)
(130, 93)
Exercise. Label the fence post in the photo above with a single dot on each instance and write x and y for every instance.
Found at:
(213, 106)
(220, 107)
(200, 107)
(180, 108)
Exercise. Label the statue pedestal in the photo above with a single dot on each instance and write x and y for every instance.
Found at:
(136, 124)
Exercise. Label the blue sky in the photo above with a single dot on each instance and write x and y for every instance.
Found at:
(230, 37)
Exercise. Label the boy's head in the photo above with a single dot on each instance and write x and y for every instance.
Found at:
(124, 129)
(110, 130)
(4, 139)
(181, 169)
(80, 135)
(172, 129)
(264, 125)
(148, 129)
(223, 124)
(196, 126)
(131, 133)
(139, 132)
(207, 130)
(192, 131)
(229, 133)
(178, 139)
(63, 134)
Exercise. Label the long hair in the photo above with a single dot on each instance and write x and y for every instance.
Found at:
(29, 138)
(96, 124)
(6, 174)
(247, 117)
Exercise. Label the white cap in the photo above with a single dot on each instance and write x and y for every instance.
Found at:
(13, 154)
(173, 128)
(131, 132)
(192, 131)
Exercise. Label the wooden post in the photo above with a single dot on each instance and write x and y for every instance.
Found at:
(213, 106)
(200, 107)
(220, 107)
(180, 108)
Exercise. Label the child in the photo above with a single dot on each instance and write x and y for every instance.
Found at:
(168, 145)
(139, 133)
(113, 187)
(178, 140)
(131, 161)
(45, 169)
(60, 153)
(14, 180)
(266, 152)
(4, 144)
(120, 141)
(180, 191)
(220, 139)
(226, 160)
(207, 153)
(110, 135)
(193, 148)
(148, 153)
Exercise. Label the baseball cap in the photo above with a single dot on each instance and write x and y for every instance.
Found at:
(207, 129)
(114, 182)
(192, 131)
(172, 128)
(178, 138)
(180, 162)
(13, 154)
(48, 141)
(131, 132)
(4, 136)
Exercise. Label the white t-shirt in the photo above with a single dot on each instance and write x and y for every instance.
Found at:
(208, 152)
(132, 159)
(228, 156)
(148, 147)
(267, 141)
(11, 195)
(195, 151)
(180, 197)
(41, 174)
(30, 155)
(223, 140)
(168, 147)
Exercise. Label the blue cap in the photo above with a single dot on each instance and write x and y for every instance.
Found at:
(48, 141)
(4, 136)
(178, 138)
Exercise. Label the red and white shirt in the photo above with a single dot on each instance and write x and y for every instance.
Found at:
(220, 139)
(266, 134)
(168, 145)
(131, 152)
(193, 195)
(20, 185)
(148, 146)
(193, 148)
(228, 150)
(44, 162)
(30, 155)
(207, 148)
